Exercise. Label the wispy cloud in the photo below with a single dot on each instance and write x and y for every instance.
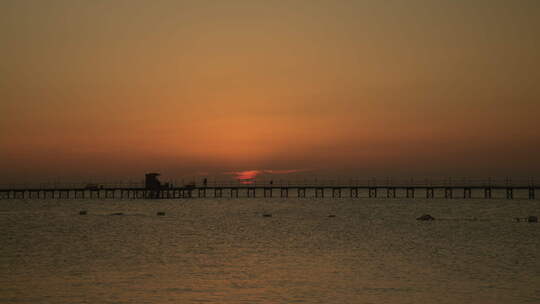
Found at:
(285, 171)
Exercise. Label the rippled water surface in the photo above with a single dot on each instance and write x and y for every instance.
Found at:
(226, 251)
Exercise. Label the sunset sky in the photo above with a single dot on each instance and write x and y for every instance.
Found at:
(113, 89)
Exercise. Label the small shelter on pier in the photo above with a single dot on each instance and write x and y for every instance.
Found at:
(152, 182)
(153, 185)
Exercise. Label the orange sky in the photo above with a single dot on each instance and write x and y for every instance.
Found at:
(113, 89)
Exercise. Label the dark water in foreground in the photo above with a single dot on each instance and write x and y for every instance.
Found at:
(225, 251)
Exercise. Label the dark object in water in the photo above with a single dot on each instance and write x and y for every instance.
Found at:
(82, 212)
(117, 213)
(267, 215)
(161, 213)
(530, 219)
(332, 215)
(426, 217)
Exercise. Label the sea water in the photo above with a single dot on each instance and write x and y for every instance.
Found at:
(269, 251)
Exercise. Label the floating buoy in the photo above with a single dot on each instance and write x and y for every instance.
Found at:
(426, 217)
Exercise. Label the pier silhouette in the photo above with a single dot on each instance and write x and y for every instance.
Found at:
(154, 189)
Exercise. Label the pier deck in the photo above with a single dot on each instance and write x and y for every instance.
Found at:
(284, 191)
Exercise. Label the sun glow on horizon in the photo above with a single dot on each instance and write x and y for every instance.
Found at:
(249, 176)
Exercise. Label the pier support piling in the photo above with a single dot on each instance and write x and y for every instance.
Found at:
(410, 192)
(509, 193)
(317, 192)
(448, 193)
(336, 192)
(467, 193)
(372, 192)
(430, 193)
(390, 192)
(487, 193)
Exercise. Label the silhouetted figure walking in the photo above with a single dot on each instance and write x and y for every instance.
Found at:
(205, 182)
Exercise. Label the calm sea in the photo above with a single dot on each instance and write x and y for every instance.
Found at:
(226, 251)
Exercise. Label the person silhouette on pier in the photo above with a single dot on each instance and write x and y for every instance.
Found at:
(205, 182)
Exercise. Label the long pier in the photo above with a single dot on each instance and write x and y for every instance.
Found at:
(389, 191)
